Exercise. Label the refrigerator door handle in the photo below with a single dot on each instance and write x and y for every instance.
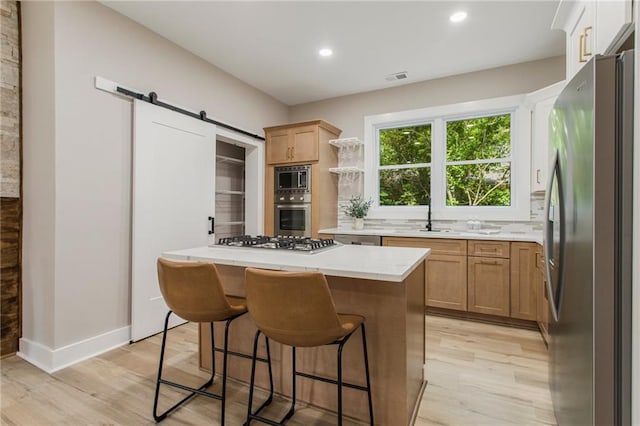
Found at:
(548, 242)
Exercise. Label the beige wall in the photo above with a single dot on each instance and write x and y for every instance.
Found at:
(348, 112)
(77, 157)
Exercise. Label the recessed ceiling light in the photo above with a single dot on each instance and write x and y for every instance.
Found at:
(325, 52)
(458, 16)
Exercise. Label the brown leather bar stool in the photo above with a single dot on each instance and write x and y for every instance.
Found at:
(193, 292)
(296, 309)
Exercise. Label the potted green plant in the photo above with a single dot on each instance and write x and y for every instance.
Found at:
(357, 208)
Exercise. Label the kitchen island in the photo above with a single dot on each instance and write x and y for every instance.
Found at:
(384, 284)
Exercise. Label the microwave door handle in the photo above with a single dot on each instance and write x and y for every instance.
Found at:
(299, 176)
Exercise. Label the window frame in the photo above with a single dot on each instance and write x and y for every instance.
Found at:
(428, 165)
(519, 210)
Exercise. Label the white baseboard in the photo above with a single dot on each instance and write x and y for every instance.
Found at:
(52, 360)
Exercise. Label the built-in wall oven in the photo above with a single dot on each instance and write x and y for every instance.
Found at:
(292, 196)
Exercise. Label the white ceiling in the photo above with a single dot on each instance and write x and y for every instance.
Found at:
(273, 46)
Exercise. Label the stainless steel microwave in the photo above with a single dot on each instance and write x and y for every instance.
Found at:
(292, 179)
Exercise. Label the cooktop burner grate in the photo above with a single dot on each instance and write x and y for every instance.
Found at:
(303, 244)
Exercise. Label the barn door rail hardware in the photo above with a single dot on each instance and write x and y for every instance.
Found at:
(152, 98)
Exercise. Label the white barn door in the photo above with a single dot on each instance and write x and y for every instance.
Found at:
(174, 159)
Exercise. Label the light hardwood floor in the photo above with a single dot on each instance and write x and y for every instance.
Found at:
(478, 374)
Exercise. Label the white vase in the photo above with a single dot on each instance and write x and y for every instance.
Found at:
(358, 223)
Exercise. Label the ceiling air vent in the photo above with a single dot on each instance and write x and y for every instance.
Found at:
(397, 76)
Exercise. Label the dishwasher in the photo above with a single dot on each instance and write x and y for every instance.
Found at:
(360, 240)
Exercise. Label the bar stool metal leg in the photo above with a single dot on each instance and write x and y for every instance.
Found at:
(366, 369)
(340, 346)
(293, 387)
(225, 356)
(193, 392)
(254, 415)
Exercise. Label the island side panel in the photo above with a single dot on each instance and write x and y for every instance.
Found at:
(416, 344)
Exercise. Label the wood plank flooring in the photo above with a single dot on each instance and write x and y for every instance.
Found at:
(478, 374)
(484, 374)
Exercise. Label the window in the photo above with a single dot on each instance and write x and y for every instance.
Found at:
(464, 160)
(405, 165)
(478, 164)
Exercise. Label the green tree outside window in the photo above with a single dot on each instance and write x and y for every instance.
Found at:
(486, 183)
(477, 164)
(400, 149)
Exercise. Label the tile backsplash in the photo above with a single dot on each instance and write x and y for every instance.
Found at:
(353, 183)
(535, 223)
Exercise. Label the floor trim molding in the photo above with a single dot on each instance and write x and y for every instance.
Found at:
(52, 360)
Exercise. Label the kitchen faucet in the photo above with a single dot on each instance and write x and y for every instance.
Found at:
(428, 225)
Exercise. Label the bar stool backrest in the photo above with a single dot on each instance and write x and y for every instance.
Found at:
(193, 291)
(294, 308)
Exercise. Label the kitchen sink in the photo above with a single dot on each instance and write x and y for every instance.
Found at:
(438, 231)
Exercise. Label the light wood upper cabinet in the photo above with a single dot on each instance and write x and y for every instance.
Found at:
(523, 281)
(298, 144)
(446, 275)
(488, 286)
(278, 143)
(304, 143)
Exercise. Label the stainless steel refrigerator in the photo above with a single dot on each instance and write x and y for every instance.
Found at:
(587, 245)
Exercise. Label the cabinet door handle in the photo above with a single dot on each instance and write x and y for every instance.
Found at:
(586, 34)
(538, 176)
(583, 44)
(293, 152)
(581, 54)
(288, 156)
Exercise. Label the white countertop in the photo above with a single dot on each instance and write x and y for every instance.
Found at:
(366, 262)
(534, 237)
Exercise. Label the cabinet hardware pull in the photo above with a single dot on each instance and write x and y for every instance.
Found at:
(583, 44)
(538, 176)
(293, 152)
(213, 221)
(586, 34)
(288, 153)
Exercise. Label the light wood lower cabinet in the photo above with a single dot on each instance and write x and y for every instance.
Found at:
(500, 278)
(446, 275)
(523, 281)
(488, 286)
(447, 282)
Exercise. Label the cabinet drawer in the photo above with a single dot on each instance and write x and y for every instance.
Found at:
(437, 246)
(489, 248)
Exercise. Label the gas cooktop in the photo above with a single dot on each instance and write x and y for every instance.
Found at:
(298, 244)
